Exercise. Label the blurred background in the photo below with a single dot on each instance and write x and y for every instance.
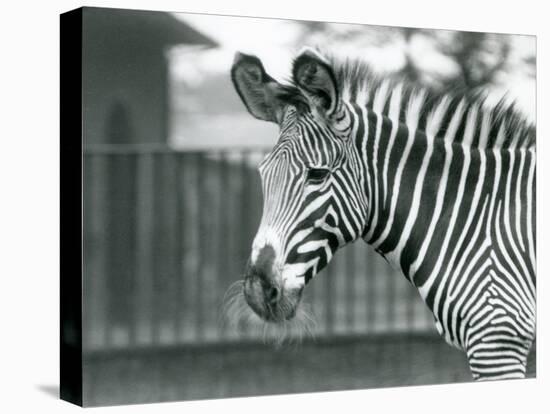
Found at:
(172, 200)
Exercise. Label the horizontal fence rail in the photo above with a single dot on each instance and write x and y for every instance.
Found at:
(167, 232)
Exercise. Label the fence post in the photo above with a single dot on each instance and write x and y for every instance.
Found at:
(329, 295)
(144, 246)
(201, 221)
(95, 273)
(121, 246)
(223, 240)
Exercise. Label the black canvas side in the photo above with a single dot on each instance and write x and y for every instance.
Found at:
(71, 206)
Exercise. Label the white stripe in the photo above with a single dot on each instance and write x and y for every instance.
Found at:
(511, 245)
(518, 204)
(378, 108)
(531, 208)
(449, 136)
(415, 104)
(395, 108)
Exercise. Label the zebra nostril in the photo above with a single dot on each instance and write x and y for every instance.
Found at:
(272, 294)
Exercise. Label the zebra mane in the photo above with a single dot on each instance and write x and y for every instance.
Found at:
(357, 82)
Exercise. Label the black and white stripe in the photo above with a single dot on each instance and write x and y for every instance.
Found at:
(442, 186)
(452, 204)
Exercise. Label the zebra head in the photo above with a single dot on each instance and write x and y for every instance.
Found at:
(313, 199)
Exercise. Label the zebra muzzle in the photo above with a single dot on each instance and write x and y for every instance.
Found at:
(264, 291)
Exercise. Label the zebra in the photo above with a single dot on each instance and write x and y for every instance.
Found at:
(441, 185)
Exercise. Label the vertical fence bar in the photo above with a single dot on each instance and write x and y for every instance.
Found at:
(165, 255)
(121, 218)
(131, 159)
(101, 223)
(359, 279)
(350, 276)
(94, 278)
(381, 318)
(190, 224)
(364, 271)
(338, 285)
(177, 242)
(156, 251)
(329, 301)
(224, 243)
(209, 236)
(410, 305)
(179, 229)
(110, 267)
(144, 246)
(371, 290)
(220, 276)
(391, 300)
(89, 259)
(201, 222)
(172, 231)
(428, 319)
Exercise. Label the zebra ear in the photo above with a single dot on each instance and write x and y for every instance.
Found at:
(256, 88)
(315, 77)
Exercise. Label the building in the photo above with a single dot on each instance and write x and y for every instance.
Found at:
(125, 73)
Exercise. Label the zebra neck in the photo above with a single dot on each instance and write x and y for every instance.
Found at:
(406, 173)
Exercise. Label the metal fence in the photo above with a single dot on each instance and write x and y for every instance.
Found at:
(165, 234)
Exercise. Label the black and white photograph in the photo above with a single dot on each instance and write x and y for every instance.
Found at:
(274, 207)
(280, 206)
(337, 207)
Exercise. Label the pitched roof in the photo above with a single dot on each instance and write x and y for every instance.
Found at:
(123, 26)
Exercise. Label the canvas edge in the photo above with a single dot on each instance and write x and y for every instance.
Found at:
(71, 206)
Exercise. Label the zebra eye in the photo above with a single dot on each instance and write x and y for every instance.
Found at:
(317, 175)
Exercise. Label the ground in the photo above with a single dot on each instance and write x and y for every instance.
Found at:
(233, 370)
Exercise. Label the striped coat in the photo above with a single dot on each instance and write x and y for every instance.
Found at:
(442, 186)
